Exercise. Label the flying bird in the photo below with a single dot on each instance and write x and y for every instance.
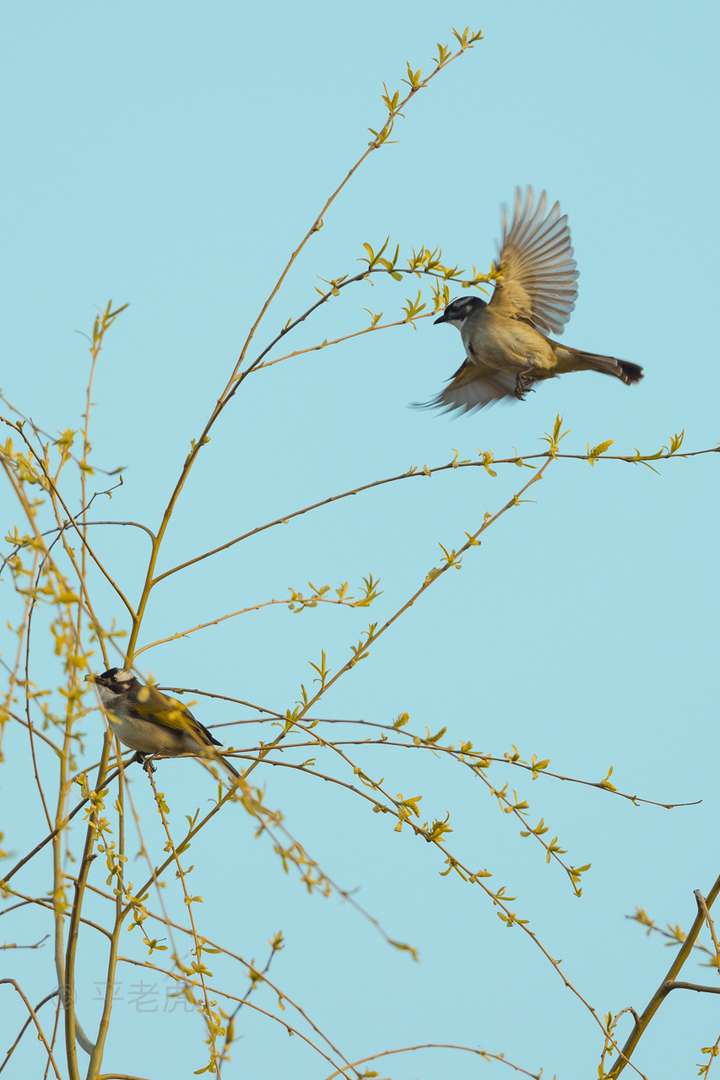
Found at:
(507, 348)
(150, 722)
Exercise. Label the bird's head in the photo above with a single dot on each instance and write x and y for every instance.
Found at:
(114, 682)
(459, 310)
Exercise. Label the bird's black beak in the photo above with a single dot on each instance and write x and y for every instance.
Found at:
(90, 678)
(440, 319)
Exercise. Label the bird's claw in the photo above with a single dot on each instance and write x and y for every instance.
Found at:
(145, 761)
(524, 384)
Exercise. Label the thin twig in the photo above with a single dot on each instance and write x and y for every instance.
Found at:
(417, 743)
(486, 1055)
(33, 1017)
(35, 945)
(67, 524)
(697, 987)
(279, 602)
(46, 840)
(700, 900)
(26, 1025)
(217, 947)
(415, 473)
(187, 981)
(53, 489)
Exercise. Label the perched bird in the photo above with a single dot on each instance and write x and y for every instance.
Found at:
(506, 344)
(150, 722)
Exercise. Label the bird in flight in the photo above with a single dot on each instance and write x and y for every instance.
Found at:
(507, 348)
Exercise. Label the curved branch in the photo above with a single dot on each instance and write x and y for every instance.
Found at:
(414, 473)
(67, 525)
(33, 1017)
(465, 42)
(245, 611)
(486, 1055)
(24, 1028)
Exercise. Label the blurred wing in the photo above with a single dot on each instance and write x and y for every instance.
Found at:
(472, 387)
(538, 273)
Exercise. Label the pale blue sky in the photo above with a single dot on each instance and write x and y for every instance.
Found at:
(169, 156)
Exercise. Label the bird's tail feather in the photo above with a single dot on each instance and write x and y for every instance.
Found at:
(212, 757)
(607, 365)
(230, 768)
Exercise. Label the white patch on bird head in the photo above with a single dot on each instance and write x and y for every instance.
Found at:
(115, 683)
(458, 311)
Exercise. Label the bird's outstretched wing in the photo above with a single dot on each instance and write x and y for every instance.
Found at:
(472, 387)
(537, 270)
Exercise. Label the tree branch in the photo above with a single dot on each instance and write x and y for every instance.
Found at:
(667, 984)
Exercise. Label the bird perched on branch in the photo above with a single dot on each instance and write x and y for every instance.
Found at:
(152, 723)
(506, 344)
